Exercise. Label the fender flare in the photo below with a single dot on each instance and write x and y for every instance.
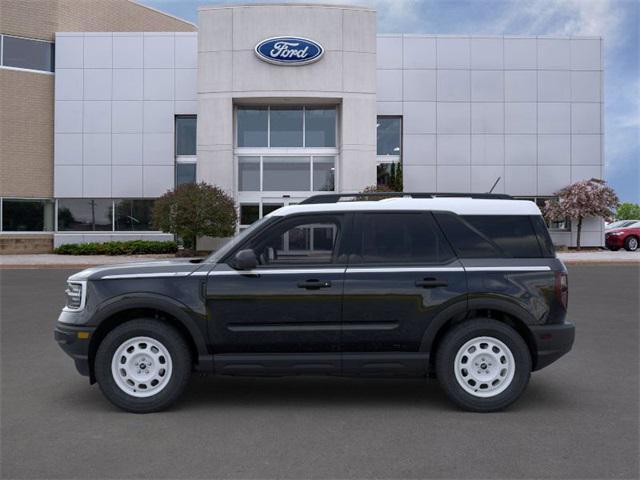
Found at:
(176, 309)
(460, 308)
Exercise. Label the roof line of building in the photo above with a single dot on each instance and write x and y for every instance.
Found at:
(164, 13)
(287, 4)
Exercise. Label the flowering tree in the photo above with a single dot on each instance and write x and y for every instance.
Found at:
(586, 198)
(194, 210)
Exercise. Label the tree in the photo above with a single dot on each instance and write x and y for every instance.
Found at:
(586, 198)
(628, 211)
(195, 210)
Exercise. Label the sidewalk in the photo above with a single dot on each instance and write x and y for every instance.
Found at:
(84, 261)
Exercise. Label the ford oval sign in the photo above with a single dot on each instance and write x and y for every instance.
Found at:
(289, 50)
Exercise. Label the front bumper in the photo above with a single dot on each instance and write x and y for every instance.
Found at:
(74, 340)
(614, 241)
(552, 342)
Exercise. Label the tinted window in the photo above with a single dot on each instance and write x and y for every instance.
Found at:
(25, 53)
(286, 173)
(401, 238)
(467, 241)
(323, 174)
(253, 127)
(389, 133)
(320, 127)
(286, 127)
(301, 241)
(27, 215)
(85, 215)
(186, 135)
(185, 173)
(133, 215)
(249, 213)
(514, 234)
(543, 236)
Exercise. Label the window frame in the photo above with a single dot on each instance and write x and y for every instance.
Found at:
(389, 159)
(22, 69)
(355, 245)
(344, 221)
(268, 146)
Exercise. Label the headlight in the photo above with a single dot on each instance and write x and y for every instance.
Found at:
(76, 294)
(616, 233)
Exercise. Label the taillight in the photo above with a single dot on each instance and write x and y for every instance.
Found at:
(562, 288)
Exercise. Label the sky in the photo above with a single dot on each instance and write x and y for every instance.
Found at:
(617, 21)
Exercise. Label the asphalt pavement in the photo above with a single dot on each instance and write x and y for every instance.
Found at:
(577, 419)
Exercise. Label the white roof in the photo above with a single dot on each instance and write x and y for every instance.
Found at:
(461, 206)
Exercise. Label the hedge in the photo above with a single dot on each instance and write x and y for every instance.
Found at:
(132, 247)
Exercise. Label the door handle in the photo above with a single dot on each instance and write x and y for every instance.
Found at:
(314, 284)
(431, 283)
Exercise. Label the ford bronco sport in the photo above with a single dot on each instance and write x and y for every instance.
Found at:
(466, 288)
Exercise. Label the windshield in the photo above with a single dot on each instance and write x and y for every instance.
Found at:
(215, 256)
(621, 224)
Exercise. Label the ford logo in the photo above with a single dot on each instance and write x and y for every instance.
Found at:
(289, 50)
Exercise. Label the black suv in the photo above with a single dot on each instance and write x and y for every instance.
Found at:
(464, 288)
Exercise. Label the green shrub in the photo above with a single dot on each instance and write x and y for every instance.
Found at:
(132, 247)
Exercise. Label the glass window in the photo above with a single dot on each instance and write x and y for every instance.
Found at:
(324, 169)
(185, 173)
(267, 208)
(186, 135)
(133, 215)
(544, 239)
(252, 126)
(249, 174)
(389, 132)
(26, 53)
(468, 241)
(300, 241)
(82, 214)
(320, 127)
(249, 213)
(514, 234)
(401, 238)
(286, 127)
(26, 215)
(286, 173)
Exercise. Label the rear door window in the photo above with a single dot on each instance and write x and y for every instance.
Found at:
(400, 238)
(514, 234)
(467, 240)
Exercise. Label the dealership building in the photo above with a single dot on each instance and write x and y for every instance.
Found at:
(119, 103)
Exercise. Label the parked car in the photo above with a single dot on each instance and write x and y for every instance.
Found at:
(465, 289)
(620, 224)
(627, 237)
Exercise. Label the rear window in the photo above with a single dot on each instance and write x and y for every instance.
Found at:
(483, 236)
(401, 238)
(514, 234)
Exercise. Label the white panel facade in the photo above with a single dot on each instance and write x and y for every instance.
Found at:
(526, 110)
(116, 96)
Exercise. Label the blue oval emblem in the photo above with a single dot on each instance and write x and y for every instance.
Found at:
(289, 50)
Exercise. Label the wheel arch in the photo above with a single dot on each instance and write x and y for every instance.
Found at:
(501, 309)
(121, 310)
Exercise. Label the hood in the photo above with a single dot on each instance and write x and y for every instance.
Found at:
(181, 266)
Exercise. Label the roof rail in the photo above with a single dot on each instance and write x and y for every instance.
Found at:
(346, 197)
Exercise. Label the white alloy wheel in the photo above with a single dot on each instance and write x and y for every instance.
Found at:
(484, 367)
(633, 244)
(141, 367)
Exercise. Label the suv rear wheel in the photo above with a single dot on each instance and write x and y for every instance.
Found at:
(483, 365)
(143, 365)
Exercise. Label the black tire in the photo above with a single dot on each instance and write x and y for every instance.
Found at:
(180, 359)
(614, 249)
(631, 243)
(456, 338)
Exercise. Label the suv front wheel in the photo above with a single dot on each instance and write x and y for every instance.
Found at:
(143, 365)
(483, 365)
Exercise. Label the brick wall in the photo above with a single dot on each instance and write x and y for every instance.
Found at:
(26, 116)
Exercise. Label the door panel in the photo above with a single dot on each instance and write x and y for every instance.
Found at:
(292, 302)
(402, 275)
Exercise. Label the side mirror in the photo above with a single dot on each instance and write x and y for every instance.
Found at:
(245, 260)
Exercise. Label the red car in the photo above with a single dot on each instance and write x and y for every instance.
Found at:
(627, 237)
